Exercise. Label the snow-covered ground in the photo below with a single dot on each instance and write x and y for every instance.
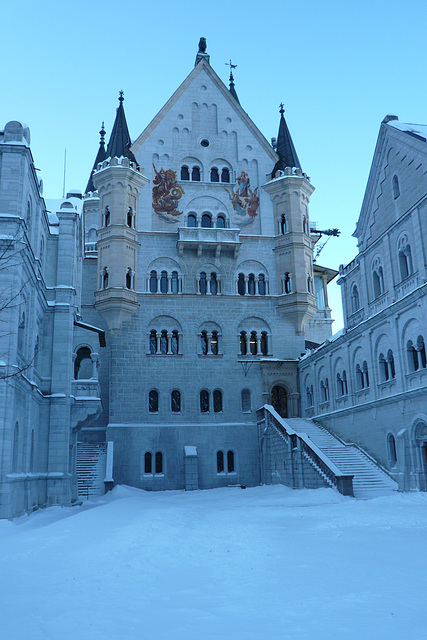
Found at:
(266, 563)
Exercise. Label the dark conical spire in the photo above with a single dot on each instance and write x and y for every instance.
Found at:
(120, 142)
(232, 88)
(100, 156)
(285, 147)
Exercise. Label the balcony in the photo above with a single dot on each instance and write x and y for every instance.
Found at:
(203, 240)
(87, 402)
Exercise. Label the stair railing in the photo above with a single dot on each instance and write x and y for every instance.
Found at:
(269, 417)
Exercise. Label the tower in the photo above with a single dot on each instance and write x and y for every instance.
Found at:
(118, 181)
(290, 190)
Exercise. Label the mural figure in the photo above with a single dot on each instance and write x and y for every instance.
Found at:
(245, 201)
(166, 194)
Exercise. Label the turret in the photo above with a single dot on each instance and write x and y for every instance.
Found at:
(118, 181)
(290, 190)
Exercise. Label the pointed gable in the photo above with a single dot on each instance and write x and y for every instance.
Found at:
(285, 147)
(397, 179)
(203, 67)
(120, 142)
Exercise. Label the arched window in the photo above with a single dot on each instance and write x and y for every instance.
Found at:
(365, 374)
(213, 285)
(283, 224)
(246, 400)
(204, 401)
(241, 284)
(391, 367)
(195, 174)
(105, 278)
(355, 303)
(405, 258)
(287, 283)
(261, 284)
(359, 378)
(253, 344)
(129, 217)
(383, 367)
(164, 342)
(214, 343)
(203, 285)
(83, 364)
(159, 462)
(251, 284)
(32, 452)
(174, 282)
(243, 344)
(214, 175)
(107, 216)
(391, 446)
(148, 463)
(230, 461)
(217, 401)
(29, 212)
(340, 386)
(264, 343)
(175, 343)
(185, 174)
(153, 341)
(309, 396)
(220, 222)
(412, 356)
(225, 175)
(344, 381)
(153, 282)
(191, 220)
(204, 342)
(220, 462)
(309, 284)
(304, 225)
(129, 278)
(15, 452)
(396, 188)
(164, 282)
(206, 221)
(175, 401)
(153, 401)
(421, 348)
(377, 278)
(324, 390)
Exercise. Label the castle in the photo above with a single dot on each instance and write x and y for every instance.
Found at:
(163, 329)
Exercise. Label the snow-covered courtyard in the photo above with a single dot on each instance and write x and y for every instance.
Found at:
(264, 563)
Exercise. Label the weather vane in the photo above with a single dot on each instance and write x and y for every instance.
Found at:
(232, 66)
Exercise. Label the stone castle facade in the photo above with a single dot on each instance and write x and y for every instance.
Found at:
(160, 310)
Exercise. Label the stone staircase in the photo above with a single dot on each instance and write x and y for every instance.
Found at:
(90, 467)
(369, 479)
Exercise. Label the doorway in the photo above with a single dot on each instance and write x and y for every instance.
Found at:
(279, 400)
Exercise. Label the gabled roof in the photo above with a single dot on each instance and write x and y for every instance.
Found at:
(285, 147)
(100, 156)
(407, 135)
(204, 67)
(120, 142)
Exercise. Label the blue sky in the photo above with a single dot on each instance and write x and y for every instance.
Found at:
(339, 68)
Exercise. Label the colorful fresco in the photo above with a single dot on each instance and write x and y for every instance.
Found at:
(166, 194)
(245, 201)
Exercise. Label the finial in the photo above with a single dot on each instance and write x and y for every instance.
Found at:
(202, 45)
(102, 134)
(282, 109)
(121, 98)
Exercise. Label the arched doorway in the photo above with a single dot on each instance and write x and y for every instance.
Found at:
(279, 400)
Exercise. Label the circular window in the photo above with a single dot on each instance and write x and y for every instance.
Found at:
(180, 116)
(228, 119)
(204, 142)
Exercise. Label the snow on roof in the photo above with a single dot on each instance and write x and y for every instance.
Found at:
(415, 129)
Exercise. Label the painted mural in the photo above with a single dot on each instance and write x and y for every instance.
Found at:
(244, 200)
(166, 194)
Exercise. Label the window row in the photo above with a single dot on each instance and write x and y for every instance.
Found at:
(283, 226)
(416, 360)
(169, 343)
(207, 221)
(208, 401)
(251, 284)
(154, 463)
(216, 174)
(129, 279)
(129, 219)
